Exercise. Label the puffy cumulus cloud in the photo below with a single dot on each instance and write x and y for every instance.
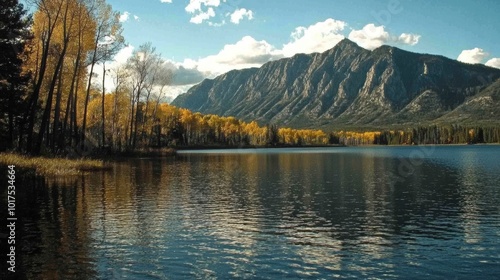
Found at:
(240, 14)
(196, 5)
(476, 55)
(202, 10)
(166, 1)
(200, 17)
(245, 53)
(409, 39)
(370, 37)
(318, 37)
(494, 62)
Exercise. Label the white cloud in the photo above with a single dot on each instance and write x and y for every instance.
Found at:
(173, 91)
(238, 15)
(123, 55)
(409, 39)
(245, 53)
(195, 6)
(189, 63)
(318, 37)
(370, 37)
(494, 62)
(124, 17)
(199, 18)
(205, 10)
(166, 1)
(476, 55)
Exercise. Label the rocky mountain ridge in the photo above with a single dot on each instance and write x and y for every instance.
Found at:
(349, 86)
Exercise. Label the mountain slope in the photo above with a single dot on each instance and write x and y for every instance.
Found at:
(482, 107)
(346, 85)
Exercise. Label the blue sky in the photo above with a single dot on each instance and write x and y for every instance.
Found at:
(446, 27)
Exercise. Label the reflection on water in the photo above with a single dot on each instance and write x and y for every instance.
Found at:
(318, 213)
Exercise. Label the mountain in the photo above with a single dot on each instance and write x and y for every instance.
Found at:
(350, 86)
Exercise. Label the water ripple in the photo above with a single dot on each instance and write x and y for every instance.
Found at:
(271, 216)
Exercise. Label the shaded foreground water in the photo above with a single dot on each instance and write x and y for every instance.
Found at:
(381, 212)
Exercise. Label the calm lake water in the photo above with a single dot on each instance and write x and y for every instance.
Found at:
(374, 212)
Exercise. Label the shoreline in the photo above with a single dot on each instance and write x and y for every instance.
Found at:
(43, 165)
(54, 165)
(196, 148)
(221, 147)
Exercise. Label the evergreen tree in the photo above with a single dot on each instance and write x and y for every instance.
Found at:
(14, 32)
(272, 135)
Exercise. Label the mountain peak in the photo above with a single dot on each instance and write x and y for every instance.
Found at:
(346, 43)
(346, 85)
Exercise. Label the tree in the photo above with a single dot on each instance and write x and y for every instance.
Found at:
(158, 79)
(107, 42)
(45, 22)
(120, 76)
(272, 135)
(144, 66)
(13, 36)
(83, 44)
(64, 32)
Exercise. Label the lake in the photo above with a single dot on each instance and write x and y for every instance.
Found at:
(419, 212)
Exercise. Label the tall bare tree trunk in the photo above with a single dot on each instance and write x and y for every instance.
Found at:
(103, 101)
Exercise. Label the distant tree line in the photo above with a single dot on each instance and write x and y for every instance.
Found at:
(164, 125)
(445, 134)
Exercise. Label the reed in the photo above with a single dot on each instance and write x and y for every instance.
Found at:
(53, 166)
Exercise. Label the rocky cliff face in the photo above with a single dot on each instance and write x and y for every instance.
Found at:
(346, 85)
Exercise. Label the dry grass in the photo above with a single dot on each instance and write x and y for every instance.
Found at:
(53, 166)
